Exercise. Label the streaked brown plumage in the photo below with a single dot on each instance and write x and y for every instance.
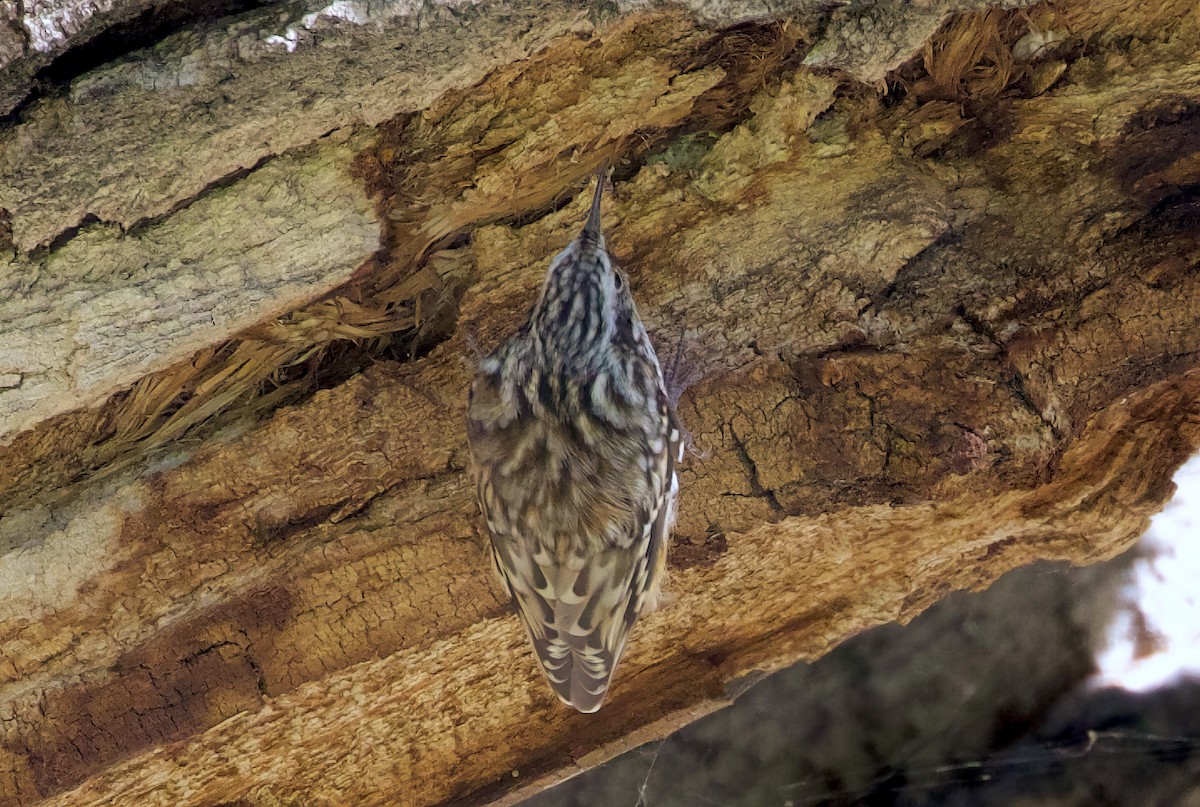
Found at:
(575, 445)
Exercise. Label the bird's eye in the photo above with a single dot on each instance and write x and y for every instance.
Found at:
(620, 282)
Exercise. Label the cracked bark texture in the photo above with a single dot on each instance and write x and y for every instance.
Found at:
(932, 268)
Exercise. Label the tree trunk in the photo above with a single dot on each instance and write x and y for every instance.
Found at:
(930, 268)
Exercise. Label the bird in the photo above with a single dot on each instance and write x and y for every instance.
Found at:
(575, 446)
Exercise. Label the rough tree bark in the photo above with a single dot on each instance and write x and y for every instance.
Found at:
(932, 267)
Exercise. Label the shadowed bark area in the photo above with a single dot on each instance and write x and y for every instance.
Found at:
(931, 274)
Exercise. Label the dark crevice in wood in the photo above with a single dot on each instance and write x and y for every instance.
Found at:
(121, 39)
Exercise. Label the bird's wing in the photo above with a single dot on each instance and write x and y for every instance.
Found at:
(578, 609)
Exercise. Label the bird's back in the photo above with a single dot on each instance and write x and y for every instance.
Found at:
(574, 446)
(577, 482)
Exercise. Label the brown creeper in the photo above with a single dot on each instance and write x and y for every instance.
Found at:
(575, 445)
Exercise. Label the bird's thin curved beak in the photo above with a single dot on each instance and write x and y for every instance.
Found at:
(591, 227)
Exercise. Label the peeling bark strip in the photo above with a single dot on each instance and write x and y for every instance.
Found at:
(941, 333)
(173, 299)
